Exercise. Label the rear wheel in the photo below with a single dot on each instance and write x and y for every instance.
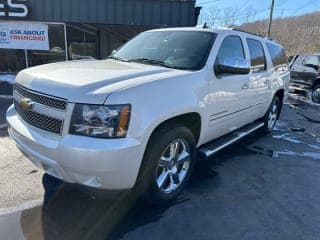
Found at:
(272, 115)
(316, 94)
(168, 164)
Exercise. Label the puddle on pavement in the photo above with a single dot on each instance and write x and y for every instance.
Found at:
(72, 214)
(277, 154)
(287, 137)
(261, 150)
(312, 155)
(298, 129)
(69, 214)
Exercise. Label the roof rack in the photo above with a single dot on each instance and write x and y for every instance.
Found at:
(205, 25)
(244, 31)
(258, 35)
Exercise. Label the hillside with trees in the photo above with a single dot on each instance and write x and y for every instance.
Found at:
(299, 34)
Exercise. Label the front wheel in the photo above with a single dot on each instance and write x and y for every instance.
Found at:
(316, 94)
(272, 115)
(168, 163)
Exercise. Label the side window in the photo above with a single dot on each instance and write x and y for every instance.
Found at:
(277, 54)
(258, 58)
(299, 61)
(230, 47)
(313, 60)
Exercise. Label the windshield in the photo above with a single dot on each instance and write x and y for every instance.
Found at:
(174, 49)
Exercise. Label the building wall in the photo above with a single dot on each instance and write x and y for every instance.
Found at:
(125, 12)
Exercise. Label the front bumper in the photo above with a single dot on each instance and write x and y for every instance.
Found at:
(300, 88)
(111, 164)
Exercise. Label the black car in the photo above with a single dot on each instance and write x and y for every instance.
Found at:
(305, 76)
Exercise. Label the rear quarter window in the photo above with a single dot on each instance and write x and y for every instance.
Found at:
(278, 55)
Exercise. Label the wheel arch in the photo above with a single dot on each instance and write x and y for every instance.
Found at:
(316, 82)
(191, 120)
(280, 94)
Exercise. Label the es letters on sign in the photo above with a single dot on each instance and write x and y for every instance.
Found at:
(17, 9)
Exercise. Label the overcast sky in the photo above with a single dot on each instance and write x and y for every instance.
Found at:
(283, 8)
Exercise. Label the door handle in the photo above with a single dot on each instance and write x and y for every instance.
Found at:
(245, 86)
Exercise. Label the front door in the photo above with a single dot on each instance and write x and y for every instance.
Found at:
(228, 97)
(310, 73)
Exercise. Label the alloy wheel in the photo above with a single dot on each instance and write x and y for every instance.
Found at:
(173, 166)
(273, 115)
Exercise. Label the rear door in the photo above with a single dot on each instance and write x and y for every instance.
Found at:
(302, 76)
(260, 81)
(297, 69)
(279, 70)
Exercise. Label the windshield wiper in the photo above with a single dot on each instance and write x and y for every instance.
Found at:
(117, 58)
(150, 61)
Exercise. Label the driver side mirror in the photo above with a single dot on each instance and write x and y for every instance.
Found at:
(233, 65)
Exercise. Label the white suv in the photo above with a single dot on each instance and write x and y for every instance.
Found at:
(140, 116)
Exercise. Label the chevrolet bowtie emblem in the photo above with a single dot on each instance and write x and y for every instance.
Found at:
(26, 104)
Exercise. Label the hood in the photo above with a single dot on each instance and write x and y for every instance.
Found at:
(87, 81)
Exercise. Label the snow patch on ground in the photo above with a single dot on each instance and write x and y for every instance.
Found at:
(287, 137)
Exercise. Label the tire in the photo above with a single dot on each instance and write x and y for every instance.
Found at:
(272, 115)
(163, 180)
(316, 94)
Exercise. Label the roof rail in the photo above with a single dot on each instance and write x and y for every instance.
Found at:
(244, 31)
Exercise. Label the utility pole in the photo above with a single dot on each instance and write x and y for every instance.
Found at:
(270, 18)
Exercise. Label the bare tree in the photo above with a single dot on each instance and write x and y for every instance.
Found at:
(229, 17)
(248, 14)
(212, 16)
(297, 34)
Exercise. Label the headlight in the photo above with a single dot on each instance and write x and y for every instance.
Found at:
(100, 121)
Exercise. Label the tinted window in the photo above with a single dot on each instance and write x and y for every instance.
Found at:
(230, 47)
(299, 61)
(277, 54)
(175, 49)
(258, 59)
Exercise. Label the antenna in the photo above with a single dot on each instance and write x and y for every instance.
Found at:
(205, 25)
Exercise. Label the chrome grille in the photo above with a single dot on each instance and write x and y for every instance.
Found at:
(40, 98)
(39, 121)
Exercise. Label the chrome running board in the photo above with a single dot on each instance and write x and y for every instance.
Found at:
(220, 143)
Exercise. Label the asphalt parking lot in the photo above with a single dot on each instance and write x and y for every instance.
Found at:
(263, 187)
